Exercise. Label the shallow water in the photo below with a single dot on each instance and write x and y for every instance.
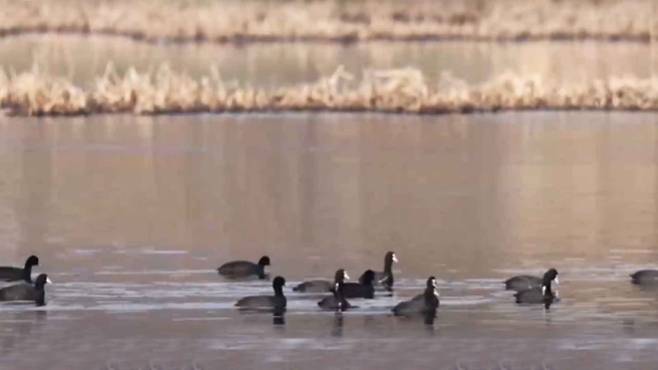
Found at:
(82, 59)
(131, 215)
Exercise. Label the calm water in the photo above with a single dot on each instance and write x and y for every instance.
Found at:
(130, 216)
(82, 59)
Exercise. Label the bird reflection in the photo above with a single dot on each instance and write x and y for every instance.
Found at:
(338, 325)
(429, 317)
(278, 317)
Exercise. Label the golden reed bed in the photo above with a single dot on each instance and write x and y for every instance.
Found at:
(334, 20)
(405, 90)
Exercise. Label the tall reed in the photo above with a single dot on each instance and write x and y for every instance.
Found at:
(162, 90)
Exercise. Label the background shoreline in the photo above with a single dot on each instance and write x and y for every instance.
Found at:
(233, 21)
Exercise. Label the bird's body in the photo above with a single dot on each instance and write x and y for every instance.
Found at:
(337, 301)
(540, 295)
(314, 286)
(27, 292)
(645, 277)
(9, 273)
(426, 303)
(244, 269)
(276, 302)
(363, 289)
(384, 278)
(523, 282)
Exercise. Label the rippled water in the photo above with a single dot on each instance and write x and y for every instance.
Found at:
(131, 215)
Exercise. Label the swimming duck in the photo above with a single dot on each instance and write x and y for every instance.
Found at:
(384, 278)
(244, 269)
(645, 277)
(27, 292)
(314, 286)
(320, 286)
(425, 303)
(363, 289)
(277, 302)
(8, 273)
(526, 282)
(540, 295)
(337, 300)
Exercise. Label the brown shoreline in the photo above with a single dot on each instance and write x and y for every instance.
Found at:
(231, 21)
(164, 91)
(346, 39)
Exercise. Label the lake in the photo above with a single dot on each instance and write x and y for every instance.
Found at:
(130, 217)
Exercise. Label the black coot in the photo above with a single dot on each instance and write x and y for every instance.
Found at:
(320, 286)
(540, 295)
(337, 301)
(645, 277)
(277, 302)
(27, 292)
(385, 278)
(362, 289)
(245, 269)
(426, 303)
(8, 273)
(526, 282)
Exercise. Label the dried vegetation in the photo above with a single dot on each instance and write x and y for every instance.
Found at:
(404, 90)
(334, 20)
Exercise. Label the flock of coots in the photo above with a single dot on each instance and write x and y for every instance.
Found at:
(529, 289)
(26, 290)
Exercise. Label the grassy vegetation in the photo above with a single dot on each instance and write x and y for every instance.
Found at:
(334, 20)
(407, 90)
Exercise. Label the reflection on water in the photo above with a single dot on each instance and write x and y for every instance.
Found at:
(82, 59)
(338, 325)
(130, 216)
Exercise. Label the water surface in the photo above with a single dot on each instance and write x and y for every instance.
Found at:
(82, 59)
(130, 216)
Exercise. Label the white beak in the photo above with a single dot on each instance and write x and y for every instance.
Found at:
(48, 281)
(395, 258)
(557, 280)
(346, 276)
(543, 290)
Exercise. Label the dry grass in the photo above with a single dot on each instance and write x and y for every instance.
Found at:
(334, 20)
(406, 90)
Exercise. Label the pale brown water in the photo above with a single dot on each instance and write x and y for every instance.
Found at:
(82, 59)
(130, 217)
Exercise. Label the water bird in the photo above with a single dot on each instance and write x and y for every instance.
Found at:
(27, 292)
(8, 273)
(277, 302)
(245, 269)
(540, 295)
(318, 286)
(362, 289)
(384, 278)
(526, 282)
(645, 277)
(337, 300)
(426, 303)
(313, 286)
